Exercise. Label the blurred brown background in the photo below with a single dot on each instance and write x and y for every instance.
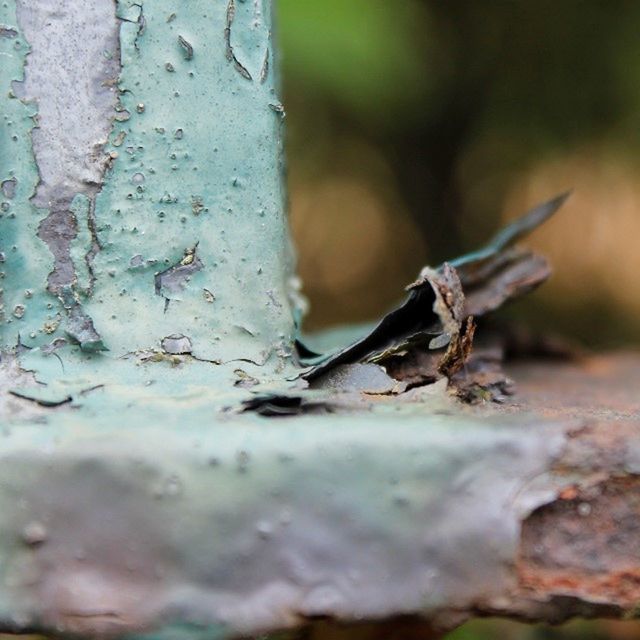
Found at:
(415, 127)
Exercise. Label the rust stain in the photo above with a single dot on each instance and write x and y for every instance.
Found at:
(586, 544)
(597, 388)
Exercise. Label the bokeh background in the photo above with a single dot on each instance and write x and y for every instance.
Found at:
(416, 127)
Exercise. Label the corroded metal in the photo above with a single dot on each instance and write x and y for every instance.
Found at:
(441, 300)
(249, 525)
(231, 524)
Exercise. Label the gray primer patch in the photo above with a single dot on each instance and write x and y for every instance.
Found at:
(8, 188)
(172, 281)
(176, 344)
(71, 72)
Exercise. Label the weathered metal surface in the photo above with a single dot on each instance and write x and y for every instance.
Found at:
(579, 552)
(206, 521)
(597, 387)
(245, 525)
(162, 472)
(585, 546)
(148, 145)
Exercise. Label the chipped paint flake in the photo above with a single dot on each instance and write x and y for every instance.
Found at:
(177, 344)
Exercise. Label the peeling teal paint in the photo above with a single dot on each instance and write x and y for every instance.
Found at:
(242, 526)
(141, 501)
(27, 311)
(197, 167)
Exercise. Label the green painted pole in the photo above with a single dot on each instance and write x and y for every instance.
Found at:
(142, 178)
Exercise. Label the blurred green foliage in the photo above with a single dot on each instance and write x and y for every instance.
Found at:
(358, 54)
(546, 71)
(463, 101)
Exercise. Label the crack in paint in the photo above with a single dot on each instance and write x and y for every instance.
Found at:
(231, 56)
(39, 396)
(24, 395)
(95, 244)
(140, 21)
(187, 48)
(264, 73)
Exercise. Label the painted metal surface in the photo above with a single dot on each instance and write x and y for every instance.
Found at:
(150, 511)
(190, 178)
(246, 525)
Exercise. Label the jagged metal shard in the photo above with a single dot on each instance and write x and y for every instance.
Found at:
(489, 277)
